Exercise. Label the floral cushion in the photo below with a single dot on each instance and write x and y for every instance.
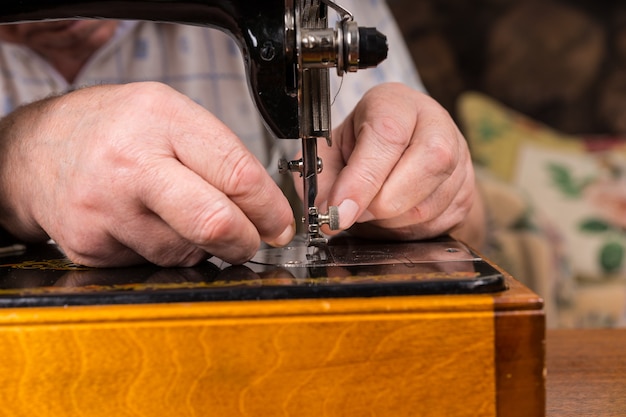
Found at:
(555, 173)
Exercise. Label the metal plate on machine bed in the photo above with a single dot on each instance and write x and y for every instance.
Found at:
(43, 276)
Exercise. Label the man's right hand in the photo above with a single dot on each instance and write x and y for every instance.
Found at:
(118, 175)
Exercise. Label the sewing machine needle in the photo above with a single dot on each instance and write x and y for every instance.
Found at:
(309, 166)
(310, 169)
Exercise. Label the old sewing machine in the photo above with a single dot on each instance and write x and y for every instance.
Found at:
(337, 328)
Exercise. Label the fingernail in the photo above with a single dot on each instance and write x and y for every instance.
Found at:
(348, 210)
(365, 217)
(285, 237)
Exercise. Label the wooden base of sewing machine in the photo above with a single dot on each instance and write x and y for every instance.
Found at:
(417, 355)
(452, 355)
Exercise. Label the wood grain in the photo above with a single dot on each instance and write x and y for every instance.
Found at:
(520, 352)
(586, 373)
(397, 356)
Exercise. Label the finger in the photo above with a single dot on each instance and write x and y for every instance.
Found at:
(427, 180)
(369, 150)
(129, 239)
(91, 250)
(199, 212)
(155, 241)
(438, 213)
(412, 141)
(220, 158)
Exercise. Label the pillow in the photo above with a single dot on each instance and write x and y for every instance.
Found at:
(555, 171)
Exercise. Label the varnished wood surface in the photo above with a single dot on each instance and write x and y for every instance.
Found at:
(520, 352)
(400, 356)
(471, 355)
(586, 373)
(388, 356)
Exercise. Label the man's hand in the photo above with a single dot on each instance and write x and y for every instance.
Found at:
(400, 168)
(117, 175)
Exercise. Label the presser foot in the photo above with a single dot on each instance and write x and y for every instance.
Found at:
(314, 222)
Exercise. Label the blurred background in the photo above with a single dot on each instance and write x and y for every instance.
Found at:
(561, 62)
(539, 90)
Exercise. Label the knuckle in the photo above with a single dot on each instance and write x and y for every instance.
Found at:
(221, 228)
(370, 179)
(384, 210)
(147, 92)
(390, 131)
(445, 157)
(243, 175)
(211, 225)
(155, 103)
(87, 250)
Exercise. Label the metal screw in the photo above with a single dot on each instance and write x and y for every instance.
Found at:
(331, 219)
(268, 51)
(285, 166)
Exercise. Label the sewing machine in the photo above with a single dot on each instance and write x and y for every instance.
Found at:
(288, 48)
(369, 328)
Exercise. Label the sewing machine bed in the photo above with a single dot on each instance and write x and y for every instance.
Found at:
(42, 276)
(292, 333)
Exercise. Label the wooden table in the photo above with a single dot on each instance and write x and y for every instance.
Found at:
(586, 373)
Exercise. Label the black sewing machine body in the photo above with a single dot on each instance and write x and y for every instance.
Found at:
(288, 50)
(262, 29)
(291, 93)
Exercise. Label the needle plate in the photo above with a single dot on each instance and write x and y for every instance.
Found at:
(369, 253)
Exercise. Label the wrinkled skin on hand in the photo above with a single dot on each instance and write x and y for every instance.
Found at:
(118, 175)
(400, 168)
